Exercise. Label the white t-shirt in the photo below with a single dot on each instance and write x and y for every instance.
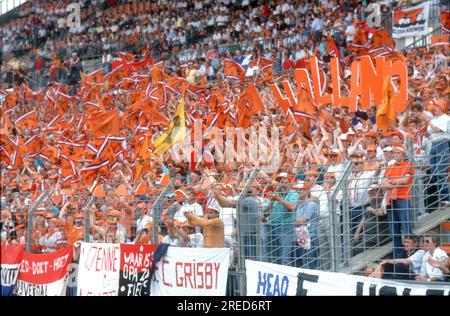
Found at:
(429, 271)
(194, 208)
(196, 240)
(350, 33)
(443, 123)
(141, 223)
(176, 242)
(416, 261)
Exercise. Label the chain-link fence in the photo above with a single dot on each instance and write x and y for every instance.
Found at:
(340, 217)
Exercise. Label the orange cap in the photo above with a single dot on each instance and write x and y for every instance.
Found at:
(372, 148)
(114, 213)
(79, 215)
(180, 195)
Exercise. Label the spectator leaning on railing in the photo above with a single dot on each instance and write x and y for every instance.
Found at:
(279, 213)
(398, 179)
(413, 260)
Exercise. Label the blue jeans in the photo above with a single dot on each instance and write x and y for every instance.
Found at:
(399, 218)
(356, 215)
(307, 259)
(439, 163)
(279, 243)
(250, 246)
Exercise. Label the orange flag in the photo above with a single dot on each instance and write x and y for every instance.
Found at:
(155, 116)
(440, 40)
(250, 103)
(386, 111)
(445, 21)
(103, 123)
(142, 154)
(305, 104)
(233, 70)
(157, 73)
(28, 120)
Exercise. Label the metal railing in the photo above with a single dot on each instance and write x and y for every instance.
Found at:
(342, 209)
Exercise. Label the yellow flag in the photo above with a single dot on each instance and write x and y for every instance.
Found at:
(174, 134)
(386, 111)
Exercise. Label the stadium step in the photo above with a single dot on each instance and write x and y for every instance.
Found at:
(360, 261)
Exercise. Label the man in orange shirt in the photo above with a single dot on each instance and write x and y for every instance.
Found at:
(73, 223)
(398, 179)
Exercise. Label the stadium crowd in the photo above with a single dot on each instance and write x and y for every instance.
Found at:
(42, 40)
(95, 135)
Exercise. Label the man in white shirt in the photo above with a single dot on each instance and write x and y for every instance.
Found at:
(350, 31)
(427, 271)
(414, 260)
(359, 183)
(143, 219)
(439, 136)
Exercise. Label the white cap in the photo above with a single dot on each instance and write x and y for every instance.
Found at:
(388, 148)
(336, 151)
(214, 205)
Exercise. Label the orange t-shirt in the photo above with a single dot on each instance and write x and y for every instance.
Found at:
(397, 171)
(74, 234)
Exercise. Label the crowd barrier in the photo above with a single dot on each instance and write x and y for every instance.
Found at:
(338, 218)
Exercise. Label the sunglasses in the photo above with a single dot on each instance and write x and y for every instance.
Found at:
(427, 241)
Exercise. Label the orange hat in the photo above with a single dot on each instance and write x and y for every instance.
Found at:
(114, 213)
(303, 186)
(396, 133)
(79, 215)
(282, 174)
(49, 215)
(372, 134)
(306, 186)
(180, 195)
(399, 148)
(372, 148)
(312, 172)
(20, 226)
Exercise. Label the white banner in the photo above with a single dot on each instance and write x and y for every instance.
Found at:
(192, 272)
(412, 21)
(267, 279)
(98, 270)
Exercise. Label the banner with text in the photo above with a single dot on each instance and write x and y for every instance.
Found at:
(192, 272)
(98, 269)
(412, 21)
(268, 279)
(135, 263)
(44, 274)
(10, 263)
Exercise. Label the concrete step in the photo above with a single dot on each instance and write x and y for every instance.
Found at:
(360, 261)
